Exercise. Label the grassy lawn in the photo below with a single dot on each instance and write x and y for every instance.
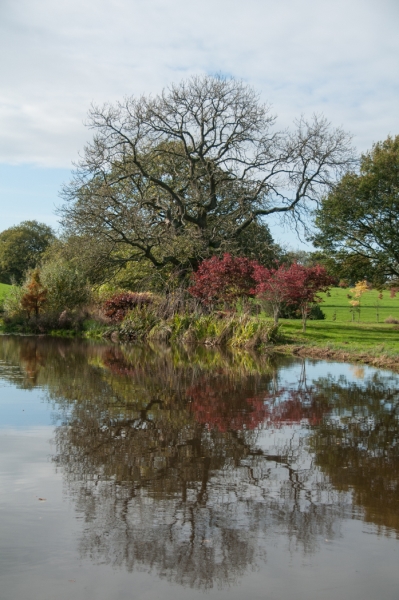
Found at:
(340, 333)
(350, 337)
(4, 288)
(338, 303)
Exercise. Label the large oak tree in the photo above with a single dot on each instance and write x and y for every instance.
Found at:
(178, 177)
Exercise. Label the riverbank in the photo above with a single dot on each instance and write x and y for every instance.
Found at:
(373, 345)
(370, 344)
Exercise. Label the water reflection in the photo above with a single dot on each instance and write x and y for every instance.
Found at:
(188, 462)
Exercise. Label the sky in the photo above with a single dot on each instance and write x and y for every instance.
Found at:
(336, 57)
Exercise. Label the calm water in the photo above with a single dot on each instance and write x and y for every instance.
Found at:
(145, 473)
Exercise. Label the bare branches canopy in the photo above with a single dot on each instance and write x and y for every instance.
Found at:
(180, 176)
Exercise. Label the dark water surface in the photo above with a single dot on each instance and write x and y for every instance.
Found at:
(147, 472)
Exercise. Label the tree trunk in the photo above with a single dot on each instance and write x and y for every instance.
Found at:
(304, 311)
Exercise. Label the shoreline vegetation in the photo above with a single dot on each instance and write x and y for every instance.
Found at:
(370, 343)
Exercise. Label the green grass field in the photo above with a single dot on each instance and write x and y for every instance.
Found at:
(349, 337)
(364, 335)
(4, 288)
(338, 303)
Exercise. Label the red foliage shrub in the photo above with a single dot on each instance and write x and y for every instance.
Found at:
(273, 286)
(117, 307)
(224, 279)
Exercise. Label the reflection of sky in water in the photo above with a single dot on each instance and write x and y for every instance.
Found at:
(321, 369)
(23, 408)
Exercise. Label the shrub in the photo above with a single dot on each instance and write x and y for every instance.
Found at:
(223, 279)
(35, 295)
(293, 311)
(12, 302)
(391, 320)
(117, 307)
(316, 314)
(66, 285)
(138, 323)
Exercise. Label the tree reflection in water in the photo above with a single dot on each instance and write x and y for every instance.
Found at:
(187, 462)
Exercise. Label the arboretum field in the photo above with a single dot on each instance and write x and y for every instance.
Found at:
(372, 310)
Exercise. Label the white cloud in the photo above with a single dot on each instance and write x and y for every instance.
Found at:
(340, 58)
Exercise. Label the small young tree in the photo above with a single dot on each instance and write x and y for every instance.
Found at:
(361, 287)
(273, 287)
(224, 279)
(35, 296)
(296, 285)
(305, 283)
(377, 305)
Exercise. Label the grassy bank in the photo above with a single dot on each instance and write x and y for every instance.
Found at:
(367, 339)
(375, 344)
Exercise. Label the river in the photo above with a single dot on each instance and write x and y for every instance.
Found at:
(162, 472)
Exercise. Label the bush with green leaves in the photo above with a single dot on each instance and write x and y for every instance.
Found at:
(12, 302)
(138, 323)
(67, 287)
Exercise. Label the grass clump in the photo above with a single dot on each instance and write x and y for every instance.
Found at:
(236, 331)
(215, 329)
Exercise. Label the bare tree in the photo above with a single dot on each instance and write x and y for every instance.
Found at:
(180, 176)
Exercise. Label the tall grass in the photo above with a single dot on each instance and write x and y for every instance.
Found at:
(215, 329)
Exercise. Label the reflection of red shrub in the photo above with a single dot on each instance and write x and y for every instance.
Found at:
(219, 409)
(294, 410)
(227, 405)
(228, 410)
